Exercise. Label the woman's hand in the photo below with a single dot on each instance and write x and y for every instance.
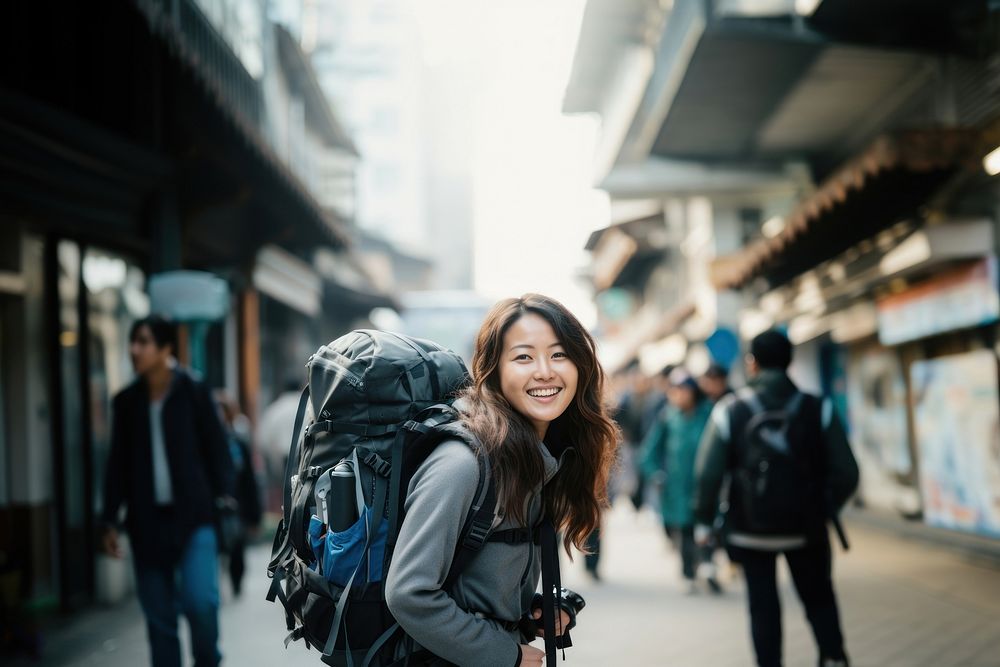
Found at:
(531, 656)
(561, 622)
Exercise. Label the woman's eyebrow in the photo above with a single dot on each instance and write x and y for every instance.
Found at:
(532, 347)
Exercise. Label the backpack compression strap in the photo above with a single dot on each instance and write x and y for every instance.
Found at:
(278, 555)
(293, 451)
(428, 363)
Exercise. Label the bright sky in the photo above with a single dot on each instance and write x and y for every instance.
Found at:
(534, 207)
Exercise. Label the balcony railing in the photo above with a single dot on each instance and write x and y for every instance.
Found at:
(204, 47)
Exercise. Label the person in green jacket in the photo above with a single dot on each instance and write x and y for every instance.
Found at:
(668, 453)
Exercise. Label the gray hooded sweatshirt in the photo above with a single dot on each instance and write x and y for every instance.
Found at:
(461, 625)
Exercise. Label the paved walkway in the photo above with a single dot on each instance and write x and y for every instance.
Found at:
(904, 603)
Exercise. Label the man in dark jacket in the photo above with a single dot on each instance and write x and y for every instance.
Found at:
(826, 476)
(169, 465)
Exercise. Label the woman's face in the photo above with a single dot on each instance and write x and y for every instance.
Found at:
(536, 376)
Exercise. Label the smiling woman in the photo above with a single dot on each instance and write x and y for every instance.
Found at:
(535, 406)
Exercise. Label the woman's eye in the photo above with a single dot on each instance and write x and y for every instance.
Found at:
(559, 355)
(522, 357)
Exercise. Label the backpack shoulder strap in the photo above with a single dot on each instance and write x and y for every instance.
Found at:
(478, 525)
(435, 425)
(749, 398)
(794, 404)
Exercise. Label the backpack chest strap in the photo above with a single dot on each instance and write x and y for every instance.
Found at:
(515, 536)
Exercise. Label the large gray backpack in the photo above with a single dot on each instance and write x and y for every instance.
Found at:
(381, 401)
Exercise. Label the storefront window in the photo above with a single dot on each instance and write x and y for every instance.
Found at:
(73, 506)
(27, 514)
(877, 399)
(116, 298)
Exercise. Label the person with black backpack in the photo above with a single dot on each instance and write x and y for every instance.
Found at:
(789, 469)
(461, 486)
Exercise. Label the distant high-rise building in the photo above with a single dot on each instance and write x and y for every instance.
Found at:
(412, 129)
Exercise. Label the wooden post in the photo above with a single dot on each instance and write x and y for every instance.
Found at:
(249, 342)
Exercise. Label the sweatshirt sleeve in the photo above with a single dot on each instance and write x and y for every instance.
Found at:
(441, 494)
(114, 471)
(710, 465)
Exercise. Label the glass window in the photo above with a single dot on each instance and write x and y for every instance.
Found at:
(27, 513)
(116, 297)
(68, 278)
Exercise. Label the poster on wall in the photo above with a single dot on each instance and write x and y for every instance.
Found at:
(876, 400)
(957, 422)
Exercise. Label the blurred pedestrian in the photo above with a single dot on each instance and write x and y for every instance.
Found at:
(638, 409)
(668, 455)
(714, 382)
(246, 490)
(790, 470)
(169, 465)
(274, 433)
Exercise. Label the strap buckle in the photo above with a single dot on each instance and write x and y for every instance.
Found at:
(381, 467)
(295, 635)
(415, 426)
(478, 532)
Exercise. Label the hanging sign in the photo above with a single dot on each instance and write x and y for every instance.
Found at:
(958, 299)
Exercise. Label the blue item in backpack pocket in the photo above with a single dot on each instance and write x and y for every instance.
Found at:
(340, 553)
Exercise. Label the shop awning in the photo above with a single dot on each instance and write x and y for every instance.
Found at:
(349, 301)
(627, 253)
(733, 86)
(288, 279)
(348, 287)
(887, 183)
(649, 325)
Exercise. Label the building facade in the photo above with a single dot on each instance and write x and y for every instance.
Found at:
(137, 141)
(871, 239)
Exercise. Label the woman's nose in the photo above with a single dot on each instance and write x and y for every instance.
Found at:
(543, 370)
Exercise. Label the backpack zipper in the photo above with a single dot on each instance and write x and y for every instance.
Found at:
(352, 379)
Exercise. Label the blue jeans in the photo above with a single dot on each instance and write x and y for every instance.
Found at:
(192, 586)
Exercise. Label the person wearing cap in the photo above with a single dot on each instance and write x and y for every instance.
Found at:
(714, 382)
(668, 453)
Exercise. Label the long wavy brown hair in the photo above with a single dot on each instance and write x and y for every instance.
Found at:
(575, 497)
